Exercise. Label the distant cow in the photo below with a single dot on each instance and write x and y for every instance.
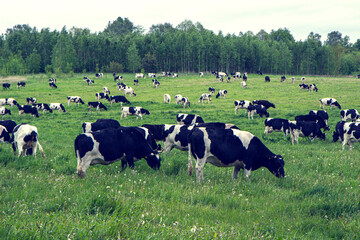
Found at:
(139, 75)
(313, 118)
(167, 98)
(106, 90)
(99, 125)
(305, 129)
(8, 101)
(89, 81)
(129, 90)
(241, 150)
(175, 75)
(52, 85)
(156, 83)
(99, 96)
(313, 87)
(293, 80)
(349, 114)
(211, 90)
(221, 93)
(243, 84)
(245, 76)
(304, 86)
(43, 106)
(6, 86)
(257, 109)
(4, 135)
(267, 79)
(137, 111)
(283, 78)
(321, 113)
(188, 119)
(204, 97)
(57, 106)
(118, 99)
(185, 102)
(136, 82)
(329, 102)
(74, 99)
(178, 99)
(151, 75)
(351, 134)
(264, 103)
(30, 100)
(96, 105)
(9, 125)
(242, 104)
(201, 74)
(21, 84)
(99, 75)
(303, 79)
(4, 111)
(26, 140)
(28, 109)
(277, 125)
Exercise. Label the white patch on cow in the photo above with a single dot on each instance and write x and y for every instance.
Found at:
(244, 136)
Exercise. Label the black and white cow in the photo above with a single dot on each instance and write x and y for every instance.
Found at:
(303, 79)
(231, 148)
(283, 78)
(188, 119)
(106, 90)
(267, 79)
(121, 86)
(74, 99)
(321, 113)
(57, 106)
(277, 125)
(96, 105)
(136, 82)
(257, 109)
(211, 90)
(219, 78)
(28, 109)
(4, 111)
(117, 78)
(178, 99)
(305, 129)
(99, 96)
(293, 80)
(139, 75)
(26, 139)
(52, 85)
(339, 131)
(204, 97)
(242, 104)
(349, 114)
(175, 75)
(243, 84)
(221, 93)
(304, 86)
(151, 75)
(99, 125)
(313, 118)
(245, 76)
(137, 111)
(313, 87)
(128, 90)
(111, 145)
(21, 84)
(351, 134)
(6, 86)
(201, 74)
(118, 99)
(167, 98)
(265, 103)
(89, 81)
(185, 102)
(329, 102)
(52, 80)
(43, 106)
(99, 75)
(30, 100)
(8, 101)
(9, 125)
(4, 135)
(156, 83)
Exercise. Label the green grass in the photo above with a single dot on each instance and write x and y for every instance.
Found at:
(318, 199)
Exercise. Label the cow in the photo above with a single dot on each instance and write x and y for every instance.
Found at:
(211, 90)
(351, 134)
(283, 78)
(339, 131)
(267, 79)
(167, 98)
(117, 78)
(219, 78)
(8, 101)
(322, 113)
(329, 102)
(43, 106)
(96, 105)
(99, 75)
(156, 83)
(6, 86)
(106, 90)
(30, 100)
(304, 86)
(303, 79)
(188, 119)
(4, 111)
(28, 109)
(52, 80)
(99, 125)
(305, 129)
(118, 99)
(4, 135)
(237, 75)
(221, 74)
(201, 74)
(313, 87)
(110, 145)
(176, 136)
(228, 79)
(231, 148)
(136, 82)
(178, 99)
(293, 80)
(138, 111)
(185, 102)
(99, 96)
(151, 75)
(139, 75)
(52, 85)
(221, 93)
(57, 106)
(313, 118)
(241, 104)
(9, 125)
(257, 109)
(121, 86)
(75, 99)
(21, 84)
(129, 90)
(26, 139)
(245, 76)
(243, 84)
(205, 96)
(89, 81)
(277, 125)
(349, 114)
(259, 72)
(265, 103)
(175, 75)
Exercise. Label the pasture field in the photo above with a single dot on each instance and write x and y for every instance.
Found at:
(44, 199)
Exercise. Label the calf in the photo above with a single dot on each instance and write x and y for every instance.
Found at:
(97, 105)
(6, 86)
(8, 101)
(267, 79)
(277, 125)
(305, 129)
(57, 106)
(241, 150)
(74, 99)
(4, 111)
(4, 134)
(21, 84)
(28, 109)
(43, 106)
(205, 96)
(321, 113)
(52, 85)
(167, 98)
(351, 134)
(110, 145)
(26, 137)
(349, 114)
(221, 93)
(185, 102)
(118, 99)
(264, 103)
(9, 125)
(257, 109)
(99, 96)
(329, 102)
(99, 125)
(242, 104)
(188, 119)
(30, 100)
(138, 111)
(313, 118)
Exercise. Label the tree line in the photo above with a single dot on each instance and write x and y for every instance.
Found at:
(188, 47)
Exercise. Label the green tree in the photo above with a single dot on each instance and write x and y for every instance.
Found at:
(120, 27)
(33, 62)
(150, 63)
(133, 59)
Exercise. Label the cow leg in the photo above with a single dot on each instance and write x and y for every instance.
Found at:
(345, 141)
(41, 149)
(190, 167)
(130, 160)
(200, 163)
(292, 137)
(248, 114)
(20, 150)
(123, 164)
(236, 172)
(14, 147)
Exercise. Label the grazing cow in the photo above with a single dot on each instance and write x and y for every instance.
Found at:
(265, 103)
(339, 131)
(221, 74)
(21, 84)
(9, 125)
(313, 118)
(99, 75)
(188, 119)
(237, 75)
(185, 102)
(138, 111)
(128, 90)
(267, 79)
(243, 84)
(99, 96)
(26, 137)
(30, 100)
(167, 98)
(43, 106)
(178, 99)
(305, 129)
(205, 96)
(259, 72)
(322, 113)
(8, 101)
(97, 105)
(57, 106)
(121, 86)
(245, 76)
(293, 80)
(106, 90)
(219, 78)
(75, 99)
(52, 85)
(277, 125)
(99, 125)
(139, 75)
(175, 75)
(304, 86)
(283, 78)
(221, 93)
(176, 136)
(312, 87)
(211, 90)
(117, 78)
(4, 111)
(157, 131)
(201, 74)
(242, 104)
(151, 75)
(257, 109)
(4, 134)
(349, 114)
(241, 150)
(156, 83)
(136, 82)
(329, 102)
(228, 79)
(28, 109)
(110, 145)
(52, 80)
(351, 134)
(303, 79)
(89, 81)
(6, 86)
(118, 99)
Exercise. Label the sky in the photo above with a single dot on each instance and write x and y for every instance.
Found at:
(300, 17)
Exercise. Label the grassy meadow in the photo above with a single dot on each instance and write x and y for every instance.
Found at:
(44, 199)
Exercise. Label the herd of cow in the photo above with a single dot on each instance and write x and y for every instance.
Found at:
(223, 145)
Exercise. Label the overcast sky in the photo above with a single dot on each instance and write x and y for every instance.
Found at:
(300, 17)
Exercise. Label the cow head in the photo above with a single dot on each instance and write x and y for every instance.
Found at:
(153, 160)
(276, 165)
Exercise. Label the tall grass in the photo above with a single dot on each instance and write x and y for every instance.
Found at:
(318, 199)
